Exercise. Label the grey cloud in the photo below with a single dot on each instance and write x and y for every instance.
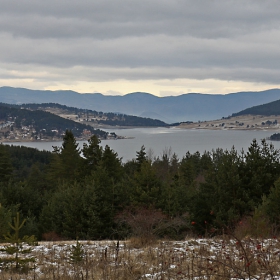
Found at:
(150, 51)
(134, 40)
(51, 75)
(109, 19)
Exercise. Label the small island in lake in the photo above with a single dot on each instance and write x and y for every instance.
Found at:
(275, 137)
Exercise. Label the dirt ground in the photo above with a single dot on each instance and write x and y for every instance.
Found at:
(247, 122)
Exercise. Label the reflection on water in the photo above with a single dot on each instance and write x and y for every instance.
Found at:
(158, 140)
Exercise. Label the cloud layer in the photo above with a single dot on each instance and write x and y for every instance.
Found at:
(87, 44)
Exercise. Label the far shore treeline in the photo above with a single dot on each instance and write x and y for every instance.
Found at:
(91, 194)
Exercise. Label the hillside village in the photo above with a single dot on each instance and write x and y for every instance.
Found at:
(10, 133)
(48, 122)
(19, 124)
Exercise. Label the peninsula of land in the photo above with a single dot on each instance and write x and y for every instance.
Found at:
(244, 122)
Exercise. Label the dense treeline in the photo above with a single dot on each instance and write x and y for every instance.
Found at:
(126, 120)
(44, 122)
(91, 194)
(269, 109)
(103, 118)
(275, 137)
(25, 159)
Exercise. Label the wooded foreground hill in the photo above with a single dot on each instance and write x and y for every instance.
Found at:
(91, 194)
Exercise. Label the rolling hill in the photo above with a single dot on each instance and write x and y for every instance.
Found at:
(22, 124)
(268, 109)
(93, 117)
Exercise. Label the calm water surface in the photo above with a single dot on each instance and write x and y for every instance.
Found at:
(158, 140)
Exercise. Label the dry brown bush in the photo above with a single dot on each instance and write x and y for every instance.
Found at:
(51, 236)
(147, 224)
(257, 226)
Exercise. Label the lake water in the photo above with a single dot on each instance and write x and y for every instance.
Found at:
(158, 140)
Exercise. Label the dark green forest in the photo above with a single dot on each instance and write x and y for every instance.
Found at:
(90, 193)
(269, 109)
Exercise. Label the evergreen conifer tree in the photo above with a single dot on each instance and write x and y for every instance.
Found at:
(92, 153)
(67, 160)
(146, 188)
(72, 211)
(259, 171)
(77, 253)
(141, 156)
(16, 248)
(6, 168)
(5, 216)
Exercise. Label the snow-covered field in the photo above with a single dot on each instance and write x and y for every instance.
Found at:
(189, 259)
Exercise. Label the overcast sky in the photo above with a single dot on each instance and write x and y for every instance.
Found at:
(164, 47)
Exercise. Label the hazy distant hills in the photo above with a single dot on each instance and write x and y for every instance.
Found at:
(186, 107)
(271, 108)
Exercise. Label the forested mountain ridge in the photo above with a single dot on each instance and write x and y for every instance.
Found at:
(268, 109)
(21, 124)
(94, 117)
(265, 116)
(170, 109)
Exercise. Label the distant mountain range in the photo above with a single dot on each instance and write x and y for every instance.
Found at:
(186, 107)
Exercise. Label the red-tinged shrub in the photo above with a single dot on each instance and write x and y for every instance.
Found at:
(51, 236)
(147, 224)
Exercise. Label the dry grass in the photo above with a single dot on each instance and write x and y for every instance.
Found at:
(246, 122)
(191, 259)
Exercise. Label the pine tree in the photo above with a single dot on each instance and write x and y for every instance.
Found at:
(146, 188)
(107, 178)
(141, 156)
(5, 216)
(6, 168)
(220, 200)
(259, 171)
(16, 248)
(271, 204)
(77, 253)
(67, 161)
(72, 211)
(92, 153)
(112, 163)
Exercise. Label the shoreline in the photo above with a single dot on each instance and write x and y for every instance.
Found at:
(3, 141)
(239, 123)
(246, 122)
(272, 129)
